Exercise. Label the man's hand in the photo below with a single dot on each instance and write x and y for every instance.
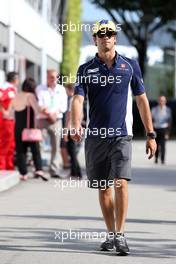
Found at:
(166, 136)
(52, 117)
(151, 147)
(76, 133)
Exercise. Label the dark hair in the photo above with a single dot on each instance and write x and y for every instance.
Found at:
(11, 76)
(70, 86)
(29, 85)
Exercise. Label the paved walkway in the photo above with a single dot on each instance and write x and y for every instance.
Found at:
(35, 215)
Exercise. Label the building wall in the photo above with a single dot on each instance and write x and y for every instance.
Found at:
(32, 34)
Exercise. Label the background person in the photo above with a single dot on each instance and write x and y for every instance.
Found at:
(52, 99)
(7, 141)
(72, 146)
(24, 99)
(162, 119)
(63, 144)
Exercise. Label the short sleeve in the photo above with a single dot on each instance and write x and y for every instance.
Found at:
(137, 83)
(80, 85)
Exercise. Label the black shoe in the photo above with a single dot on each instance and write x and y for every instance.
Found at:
(56, 176)
(108, 244)
(41, 175)
(44, 177)
(120, 242)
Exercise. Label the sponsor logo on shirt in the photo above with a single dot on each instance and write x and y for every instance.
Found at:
(93, 70)
(123, 67)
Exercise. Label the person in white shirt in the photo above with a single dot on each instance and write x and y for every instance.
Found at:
(162, 118)
(52, 98)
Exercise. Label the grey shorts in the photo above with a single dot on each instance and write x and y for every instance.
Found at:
(107, 159)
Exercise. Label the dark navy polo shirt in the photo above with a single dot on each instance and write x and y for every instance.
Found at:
(109, 93)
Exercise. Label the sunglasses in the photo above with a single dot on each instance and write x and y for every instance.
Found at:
(102, 34)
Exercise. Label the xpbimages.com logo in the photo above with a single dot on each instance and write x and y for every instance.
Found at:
(102, 132)
(91, 78)
(62, 236)
(73, 27)
(79, 183)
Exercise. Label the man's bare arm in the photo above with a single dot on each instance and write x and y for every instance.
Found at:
(145, 113)
(76, 116)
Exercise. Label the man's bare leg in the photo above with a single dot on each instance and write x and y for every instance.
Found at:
(121, 203)
(107, 206)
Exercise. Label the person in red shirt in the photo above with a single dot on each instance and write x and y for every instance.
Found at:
(7, 142)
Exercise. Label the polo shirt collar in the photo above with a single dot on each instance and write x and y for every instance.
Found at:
(98, 60)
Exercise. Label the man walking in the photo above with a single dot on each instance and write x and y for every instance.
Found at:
(53, 101)
(109, 80)
(162, 119)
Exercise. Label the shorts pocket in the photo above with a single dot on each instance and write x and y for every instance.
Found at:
(125, 149)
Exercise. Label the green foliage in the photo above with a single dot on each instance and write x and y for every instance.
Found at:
(71, 39)
(139, 19)
(159, 79)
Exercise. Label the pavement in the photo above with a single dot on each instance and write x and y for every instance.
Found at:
(8, 179)
(57, 221)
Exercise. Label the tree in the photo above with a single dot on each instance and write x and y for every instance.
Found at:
(71, 39)
(139, 20)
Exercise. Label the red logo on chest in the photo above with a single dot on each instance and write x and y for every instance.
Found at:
(123, 66)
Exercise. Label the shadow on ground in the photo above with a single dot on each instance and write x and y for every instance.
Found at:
(156, 177)
(142, 244)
